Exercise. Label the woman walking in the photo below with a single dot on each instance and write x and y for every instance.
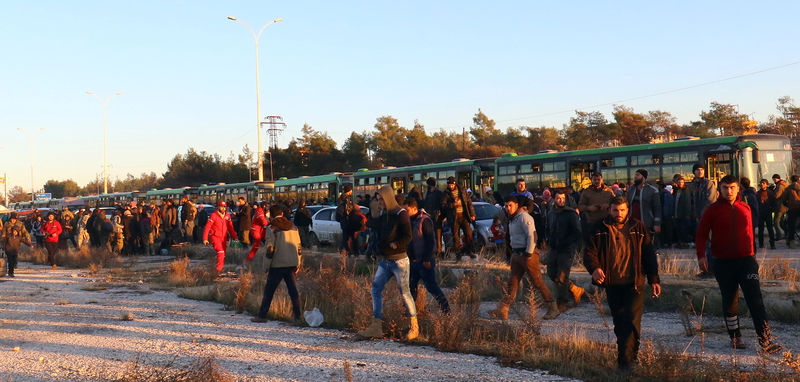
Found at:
(51, 230)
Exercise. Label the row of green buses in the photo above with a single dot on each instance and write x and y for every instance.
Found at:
(752, 156)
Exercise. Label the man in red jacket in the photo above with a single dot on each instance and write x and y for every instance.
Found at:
(730, 222)
(260, 223)
(219, 227)
(52, 230)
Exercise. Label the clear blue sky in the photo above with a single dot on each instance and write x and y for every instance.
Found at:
(188, 74)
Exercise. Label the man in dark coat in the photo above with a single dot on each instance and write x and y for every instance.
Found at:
(458, 209)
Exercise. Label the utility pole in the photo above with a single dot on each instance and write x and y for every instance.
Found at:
(275, 126)
(5, 188)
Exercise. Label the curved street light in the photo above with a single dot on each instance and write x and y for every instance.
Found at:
(256, 37)
(105, 137)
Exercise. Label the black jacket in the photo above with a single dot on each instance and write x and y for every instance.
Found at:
(245, 220)
(600, 251)
(302, 217)
(394, 233)
(449, 204)
(563, 229)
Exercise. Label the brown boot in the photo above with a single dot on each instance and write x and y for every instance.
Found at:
(501, 312)
(375, 329)
(577, 293)
(413, 331)
(552, 311)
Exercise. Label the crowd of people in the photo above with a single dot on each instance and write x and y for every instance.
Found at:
(616, 228)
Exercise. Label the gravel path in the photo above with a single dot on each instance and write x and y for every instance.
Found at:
(52, 329)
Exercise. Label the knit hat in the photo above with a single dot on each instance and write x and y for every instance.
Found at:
(698, 165)
(643, 172)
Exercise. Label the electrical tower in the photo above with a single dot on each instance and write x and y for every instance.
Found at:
(275, 126)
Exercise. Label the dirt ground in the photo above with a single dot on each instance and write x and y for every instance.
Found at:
(54, 326)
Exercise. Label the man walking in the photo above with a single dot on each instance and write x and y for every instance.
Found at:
(433, 206)
(564, 227)
(520, 190)
(594, 200)
(420, 252)
(284, 252)
(303, 222)
(620, 256)
(460, 213)
(524, 260)
(780, 209)
(730, 222)
(188, 216)
(218, 229)
(13, 235)
(791, 199)
(169, 223)
(245, 223)
(394, 235)
(645, 202)
(766, 205)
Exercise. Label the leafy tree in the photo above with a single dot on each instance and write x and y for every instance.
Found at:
(725, 118)
(354, 151)
(196, 168)
(483, 131)
(663, 124)
(634, 128)
(589, 130)
(541, 138)
(60, 189)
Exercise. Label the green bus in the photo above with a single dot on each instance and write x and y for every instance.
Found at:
(252, 191)
(319, 189)
(475, 174)
(753, 156)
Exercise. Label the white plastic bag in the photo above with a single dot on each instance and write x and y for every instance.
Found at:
(313, 317)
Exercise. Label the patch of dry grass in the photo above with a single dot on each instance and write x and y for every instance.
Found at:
(72, 258)
(182, 274)
(201, 369)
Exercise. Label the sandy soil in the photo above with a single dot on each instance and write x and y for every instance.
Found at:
(51, 328)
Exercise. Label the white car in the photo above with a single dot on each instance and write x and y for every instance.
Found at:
(325, 228)
(484, 215)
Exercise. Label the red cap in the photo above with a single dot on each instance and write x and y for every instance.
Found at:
(221, 203)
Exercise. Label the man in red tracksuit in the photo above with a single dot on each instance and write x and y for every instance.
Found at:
(730, 222)
(218, 228)
(260, 223)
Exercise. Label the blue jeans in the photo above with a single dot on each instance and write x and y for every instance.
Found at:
(428, 278)
(387, 269)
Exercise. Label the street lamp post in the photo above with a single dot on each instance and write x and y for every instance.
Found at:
(30, 149)
(105, 137)
(256, 37)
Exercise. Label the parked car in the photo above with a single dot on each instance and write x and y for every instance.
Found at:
(325, 228)
(484, 215)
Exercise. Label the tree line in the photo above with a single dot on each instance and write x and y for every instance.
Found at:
(389, 143)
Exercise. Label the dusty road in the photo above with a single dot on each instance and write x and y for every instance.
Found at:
(51, 328)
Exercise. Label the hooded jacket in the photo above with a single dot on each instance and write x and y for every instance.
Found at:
(285, 240)
(600, 250)
(791, 197)
(732, 227)
(393, 226)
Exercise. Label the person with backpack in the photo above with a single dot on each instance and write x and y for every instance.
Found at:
(420, 252)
